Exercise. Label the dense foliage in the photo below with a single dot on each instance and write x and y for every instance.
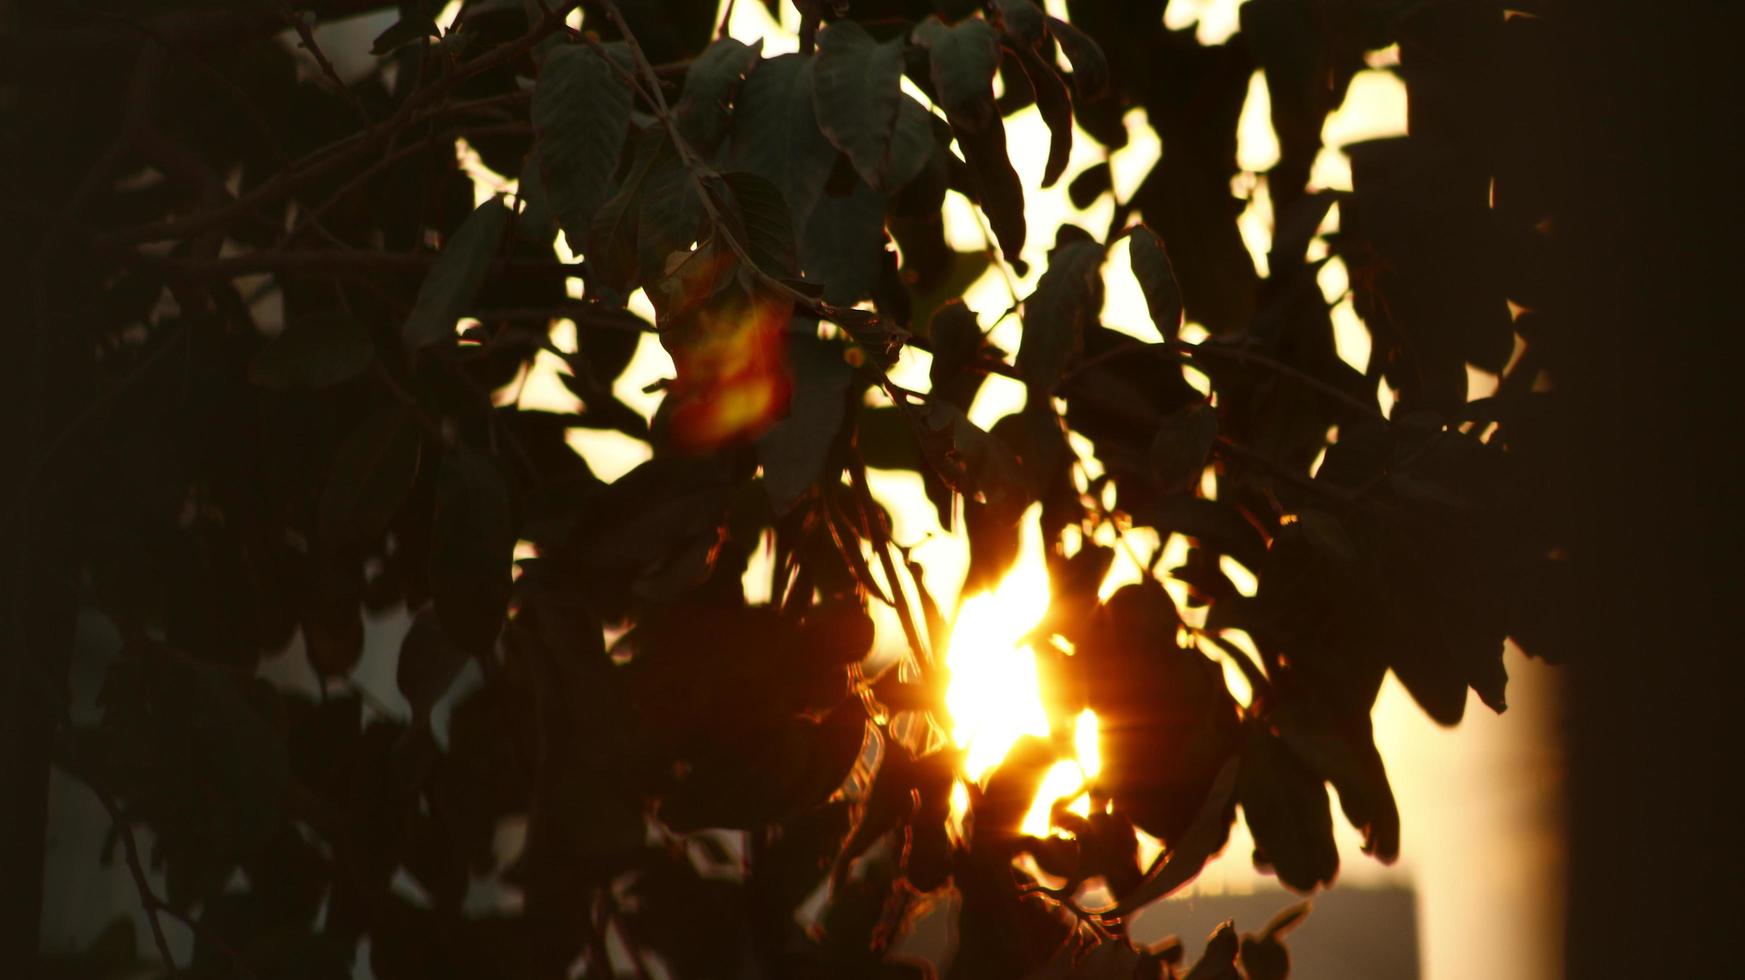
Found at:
(273, 427)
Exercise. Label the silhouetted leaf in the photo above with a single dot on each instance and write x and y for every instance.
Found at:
(428, 664)
(862, 109)
(971, 461)
(372, 472)
(581, 114)
(769, 228)
(1218, 962)
(964, 59)
(1151, 267)
(1180, 447)
(456, 276)
(1285, 804)
(313, 352)
(471, 545)
(711, 83)
(1056, 110)
(793, 453)
(1067, 300)
(776, 136)
(1090, 67)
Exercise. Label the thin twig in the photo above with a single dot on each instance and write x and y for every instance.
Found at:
(308, 43)
(147, 898)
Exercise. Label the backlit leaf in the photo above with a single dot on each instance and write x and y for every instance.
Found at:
(454, 279)
(581, 115)
(372, 472)
(471, 545)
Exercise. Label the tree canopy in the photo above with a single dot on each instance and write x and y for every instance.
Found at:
(277, 346)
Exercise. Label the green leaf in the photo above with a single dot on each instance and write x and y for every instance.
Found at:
(776, 135)
(472, 544)
(1285, 804)
(1179, 449)
(372, 472)
(454, 279)
(794, 453)
(769, 229)
(844, 245)
(964, 59)
(1090, 67)
(1021, 21)
(669, 215)
(1067, 300)
(1163, 296)
(862, 109)
(581, 116)
(711, 84)
(313, 352)
(536, 225)
(612, 236)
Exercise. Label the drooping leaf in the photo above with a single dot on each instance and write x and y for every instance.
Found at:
(313, 352)
(1163, 297)
(776, 136)
(793, 453)
(1181, 445)
(1090, 67)
(1066, 302)
(581, 116)
(1056, 110)
(956, 338)
(1345, 755)
(372, 472)
(1285, 804)
(862, 108)
(669, 216)
(472, 543)
(454, 279)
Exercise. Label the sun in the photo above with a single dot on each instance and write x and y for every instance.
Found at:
(994, 696)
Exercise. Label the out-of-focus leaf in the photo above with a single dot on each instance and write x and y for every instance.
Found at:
(454, 279)
(372, 472)
(581, 115)
(428, 663)
(313, 352)
(1163, 296)
(1218, 962)
(1285, 804)
(471, 546)
(1180, 447)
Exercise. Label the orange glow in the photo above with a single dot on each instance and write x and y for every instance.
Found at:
(731, 381)
(995, 697)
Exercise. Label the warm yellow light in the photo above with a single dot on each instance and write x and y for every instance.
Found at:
(1063, 779)
(1085, 744)
(994, 696)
